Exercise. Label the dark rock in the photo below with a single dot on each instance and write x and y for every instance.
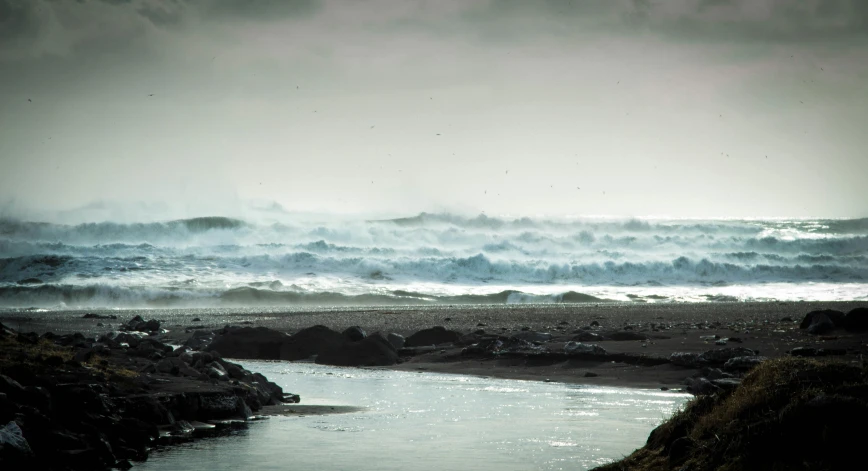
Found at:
(821, 322)
(701, 386)
(530, 336)
(98, 316)
(622, 336)
(14, 448)
(309, 342)
(741, 364)
(373, 350)
(726, 384)
(199, 340)
(434, 336)
(258, 343)
(688, 360)
(721, 355)
(396, 340)
(196, 319)
(584, 349)
(354, 333)
(816, 352)
(585, 336)
(857, 320)
(589, 374)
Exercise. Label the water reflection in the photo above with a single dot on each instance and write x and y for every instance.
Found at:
(425, 421)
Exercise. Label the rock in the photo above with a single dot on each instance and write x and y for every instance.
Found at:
(726, 384)
(688, 360)
(584, 348)
(196, 319)
(589, 374)
(622, 336)
(530, 336)
(396, 340)
(434, 336)
(13, 446)
(857, 320)
(701, 386)
(816, 352)
(585, 336)
(309, 342)
(721, 355)
(741, 364)
(98, 316)
(354, 333)
(821, 322)
(199, 340)
(257, 343)
(373, 350)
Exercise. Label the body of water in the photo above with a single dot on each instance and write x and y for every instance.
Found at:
(427, 421)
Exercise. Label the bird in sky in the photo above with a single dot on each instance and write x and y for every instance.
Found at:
(151, 94)
(29, 100)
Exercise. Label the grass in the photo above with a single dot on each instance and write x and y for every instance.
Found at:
(788, 413)
(18, 355)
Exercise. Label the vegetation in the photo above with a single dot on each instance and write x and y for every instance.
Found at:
(788, 414)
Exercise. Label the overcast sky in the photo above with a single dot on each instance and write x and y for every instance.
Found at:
(622, 107)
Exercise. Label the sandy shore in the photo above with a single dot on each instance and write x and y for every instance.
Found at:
(770, 328)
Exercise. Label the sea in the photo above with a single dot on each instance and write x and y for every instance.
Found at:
(443, 258)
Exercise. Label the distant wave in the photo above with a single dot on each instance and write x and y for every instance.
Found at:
(51, 295)
(357, 261)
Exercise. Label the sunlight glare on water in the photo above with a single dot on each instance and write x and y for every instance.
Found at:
(428, 421)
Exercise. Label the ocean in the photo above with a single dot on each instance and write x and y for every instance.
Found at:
(428, 259)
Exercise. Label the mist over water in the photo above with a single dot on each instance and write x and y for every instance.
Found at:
(291, 259)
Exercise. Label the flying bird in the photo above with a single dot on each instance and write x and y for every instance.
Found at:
(29, 100)
(151, 94)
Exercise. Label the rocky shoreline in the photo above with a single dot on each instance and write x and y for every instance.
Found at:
(175, 393)
(68, 402)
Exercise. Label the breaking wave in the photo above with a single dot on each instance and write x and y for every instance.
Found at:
(428, 258)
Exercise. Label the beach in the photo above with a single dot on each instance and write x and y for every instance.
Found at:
(770, 329)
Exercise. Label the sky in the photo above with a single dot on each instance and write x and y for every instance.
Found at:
(682, 108)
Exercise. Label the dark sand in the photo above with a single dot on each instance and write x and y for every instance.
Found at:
(673, 328)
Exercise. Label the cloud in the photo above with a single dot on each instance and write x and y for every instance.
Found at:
(63, 27)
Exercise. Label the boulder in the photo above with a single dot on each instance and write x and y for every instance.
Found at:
(354, 333)
(433, 336)
(741, 364)
(397, 340)
(373, 350)
(721, 355)
(685, 359)
(13, 446)
(585, 336)
(256, 343)
(584, 348)
(309, 342)
(822, 321)
(199, 340)
(701, 386)
(531, 336)
(857, 320)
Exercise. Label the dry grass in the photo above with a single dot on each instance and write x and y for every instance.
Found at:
(757, 425)
(32, 356)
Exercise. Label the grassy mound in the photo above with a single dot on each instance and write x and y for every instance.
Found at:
(788, 414)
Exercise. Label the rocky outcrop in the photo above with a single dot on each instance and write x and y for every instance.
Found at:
(857, 320)
(822, 321)
(253, 343)
(434, 336)
(309, 342)
(94, 406)
(373, 350)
